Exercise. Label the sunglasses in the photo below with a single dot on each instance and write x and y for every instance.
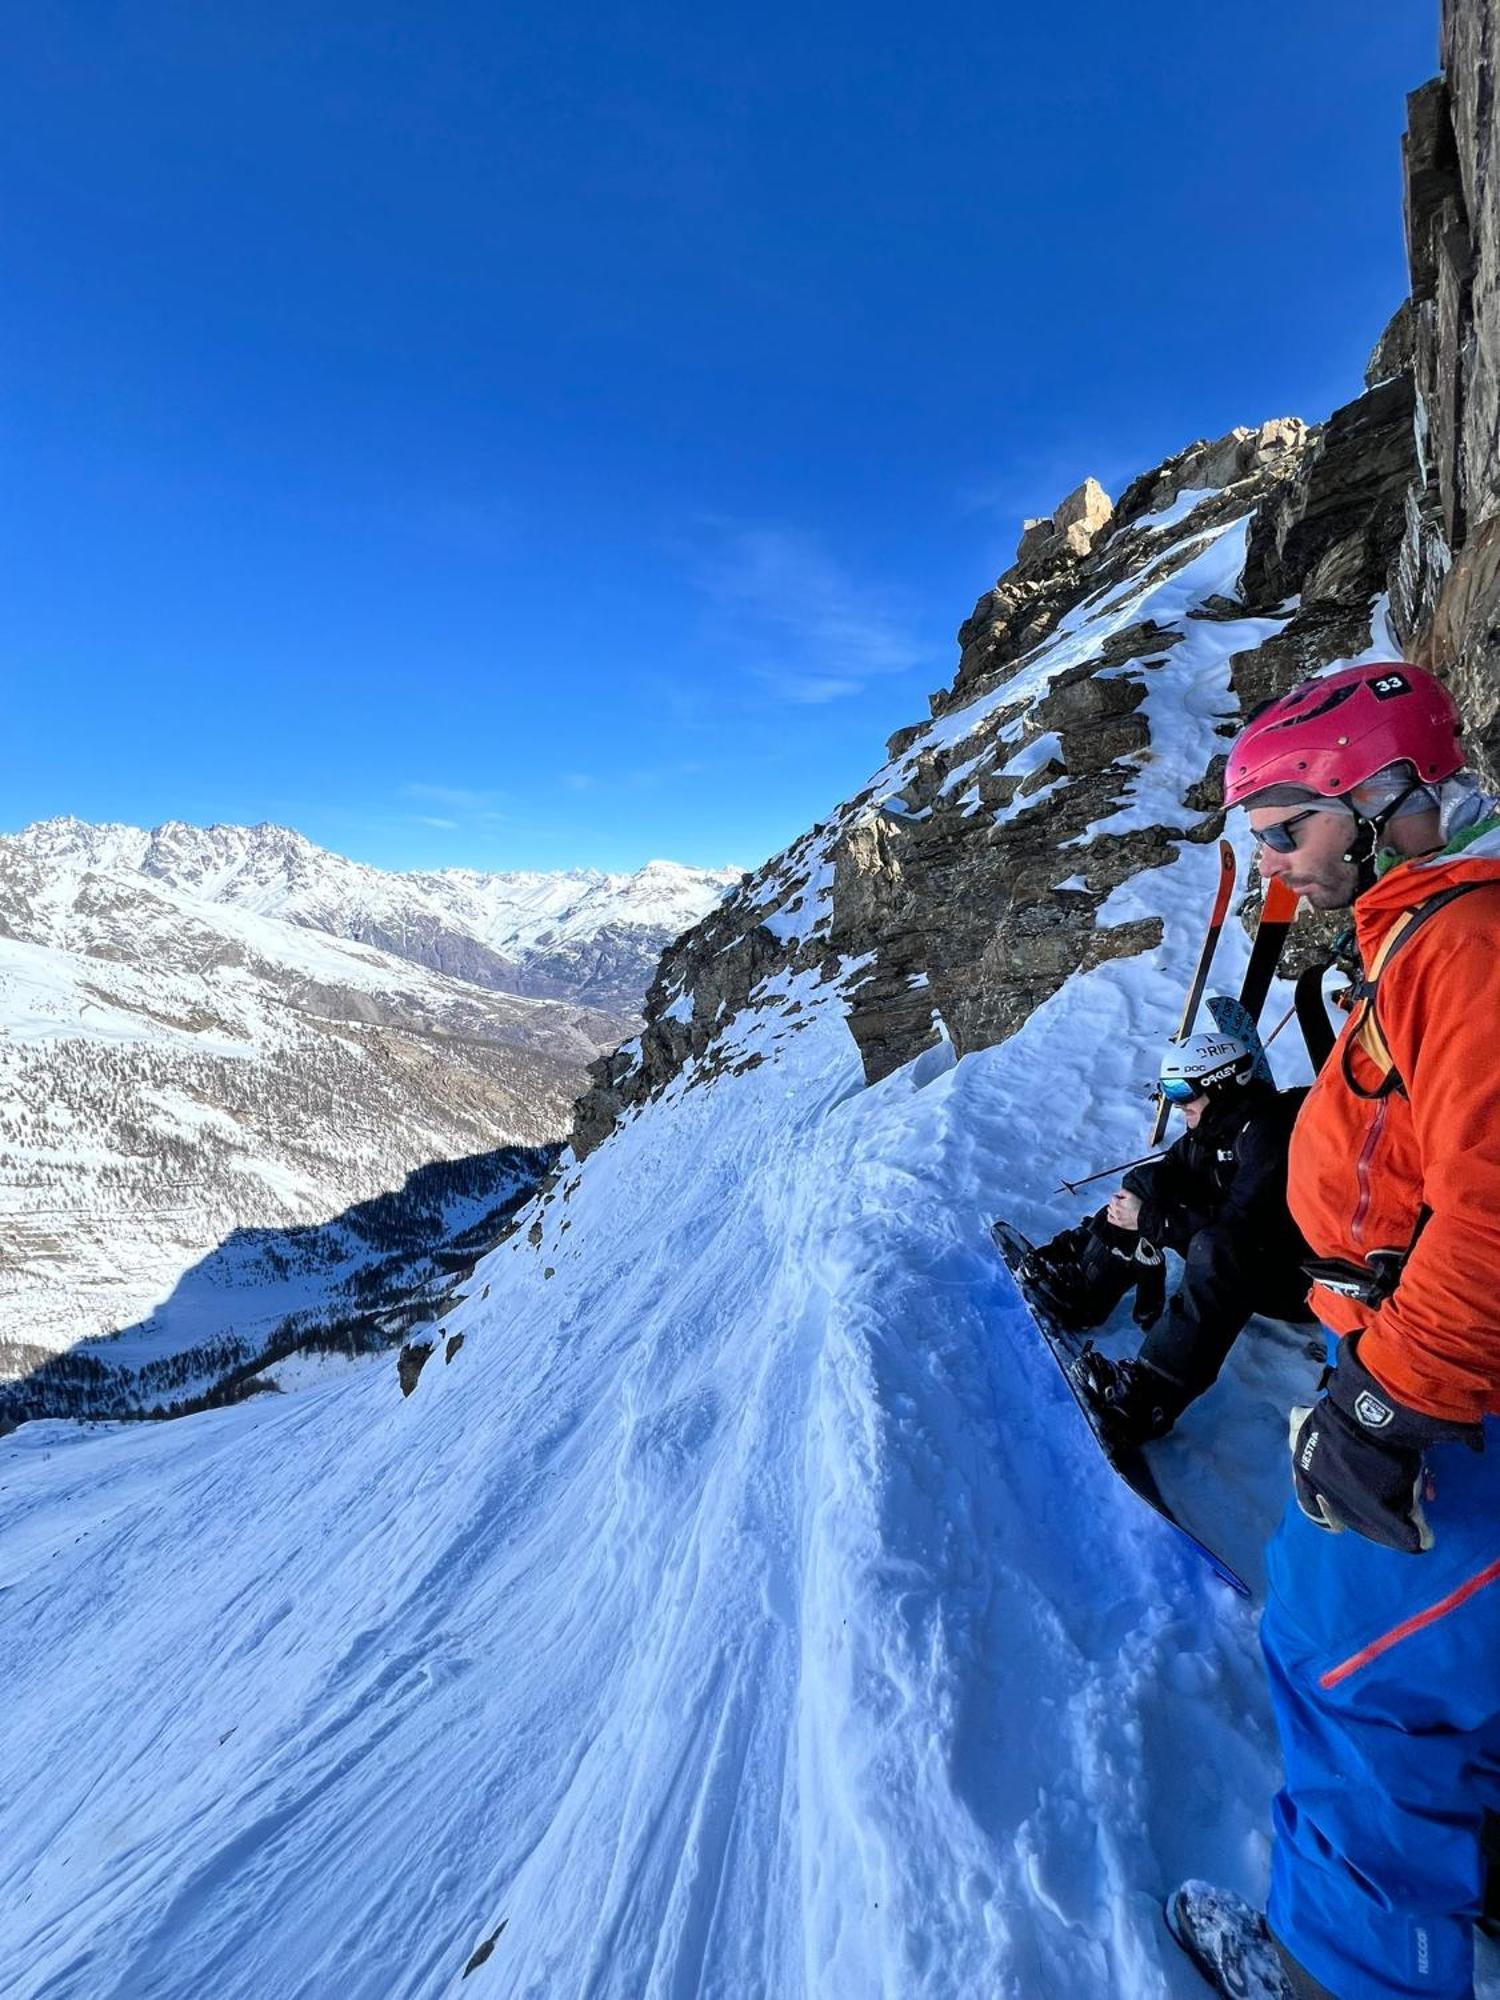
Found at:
(1280, 838)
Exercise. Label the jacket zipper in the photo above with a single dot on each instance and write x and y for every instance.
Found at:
(1362, 1171)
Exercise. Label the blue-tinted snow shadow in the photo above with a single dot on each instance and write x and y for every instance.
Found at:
(352, 1285)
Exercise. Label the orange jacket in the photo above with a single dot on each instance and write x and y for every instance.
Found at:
(1360, 1172)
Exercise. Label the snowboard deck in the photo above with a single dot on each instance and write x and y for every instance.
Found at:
(1233, 1017)
(1129, 1462)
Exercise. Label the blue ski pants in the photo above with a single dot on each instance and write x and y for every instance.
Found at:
(1385, 1680)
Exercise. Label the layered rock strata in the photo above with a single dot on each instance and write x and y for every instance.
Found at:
(1446, 603)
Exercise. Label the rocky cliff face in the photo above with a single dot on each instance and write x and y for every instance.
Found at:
(1004, 844)
(1446, 340)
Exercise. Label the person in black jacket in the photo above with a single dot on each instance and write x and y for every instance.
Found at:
(1218, 1198)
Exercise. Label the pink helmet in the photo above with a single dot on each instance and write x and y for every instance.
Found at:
(1328, 735)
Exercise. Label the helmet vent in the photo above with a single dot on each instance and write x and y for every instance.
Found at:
(1302, 714)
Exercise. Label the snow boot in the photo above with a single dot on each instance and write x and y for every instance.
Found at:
(1132, 1401)
(1229, 1943)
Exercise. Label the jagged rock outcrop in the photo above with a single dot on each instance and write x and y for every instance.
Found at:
(1330, 534)
(410, 1362)
(1208, 465)
(1071, 529)
(1046, 579)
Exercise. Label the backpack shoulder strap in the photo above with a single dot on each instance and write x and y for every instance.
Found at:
(1366, 1033)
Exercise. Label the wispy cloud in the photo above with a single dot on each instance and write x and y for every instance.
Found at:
(798, 620)
(635, 777)
(442, 825)
(457, 798)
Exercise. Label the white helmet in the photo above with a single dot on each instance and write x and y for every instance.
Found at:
(1205, 1064)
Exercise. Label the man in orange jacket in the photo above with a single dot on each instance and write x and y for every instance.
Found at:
(1382, 1623)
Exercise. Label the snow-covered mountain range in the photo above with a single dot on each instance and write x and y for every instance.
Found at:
(579, 934)
(204, 1031)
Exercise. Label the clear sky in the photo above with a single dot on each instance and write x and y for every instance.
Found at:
(522, 435)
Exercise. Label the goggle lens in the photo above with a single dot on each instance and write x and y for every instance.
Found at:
(1177, 1090)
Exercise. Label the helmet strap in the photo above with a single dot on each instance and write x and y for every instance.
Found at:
(1370, 827)
(1361, 850)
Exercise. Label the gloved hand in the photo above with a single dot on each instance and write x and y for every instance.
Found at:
(1357, 1457)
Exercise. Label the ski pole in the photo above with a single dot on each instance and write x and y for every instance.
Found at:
(1280, 1025)
(1105, 1172)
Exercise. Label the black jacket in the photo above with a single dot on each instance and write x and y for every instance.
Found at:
(1218, 1198)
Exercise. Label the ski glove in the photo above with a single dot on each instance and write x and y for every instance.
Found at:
(1357, 1457)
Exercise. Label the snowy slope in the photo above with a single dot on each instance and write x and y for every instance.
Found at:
(741, 1611)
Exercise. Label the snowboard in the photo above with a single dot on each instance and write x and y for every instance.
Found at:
(1233, 1017)
(1128, 1461)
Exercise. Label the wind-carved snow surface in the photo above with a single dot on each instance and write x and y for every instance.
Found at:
(743, 1611)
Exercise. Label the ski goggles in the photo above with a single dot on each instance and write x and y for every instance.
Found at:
(1177, 1090)
(1280, 838)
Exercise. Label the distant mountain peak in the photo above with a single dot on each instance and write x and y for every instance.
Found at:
(578, 934)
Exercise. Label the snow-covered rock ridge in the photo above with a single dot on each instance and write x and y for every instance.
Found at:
(997, 852)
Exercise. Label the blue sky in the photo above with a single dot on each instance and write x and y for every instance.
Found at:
(527, 437)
